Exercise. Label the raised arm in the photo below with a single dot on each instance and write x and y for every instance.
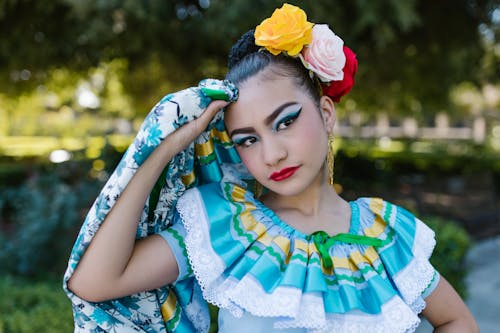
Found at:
(115, 264)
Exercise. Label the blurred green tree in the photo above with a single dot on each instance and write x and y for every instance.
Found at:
(411, 52)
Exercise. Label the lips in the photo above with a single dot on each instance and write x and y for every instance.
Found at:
(283, 174)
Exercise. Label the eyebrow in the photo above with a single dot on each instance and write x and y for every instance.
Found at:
(269, 119)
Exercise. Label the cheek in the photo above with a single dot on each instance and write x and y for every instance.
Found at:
(247, 158)
(312, 136)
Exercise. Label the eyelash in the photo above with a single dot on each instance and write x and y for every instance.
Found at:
(244, 142)
(287, 120)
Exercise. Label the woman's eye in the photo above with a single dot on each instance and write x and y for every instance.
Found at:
(245, 142)
(287, 121)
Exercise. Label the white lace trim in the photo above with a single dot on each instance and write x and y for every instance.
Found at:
(311, 314)
(424, 240)
(249, 294)
(418, 274)
(395, 317)
(206, 264)
(198, 313)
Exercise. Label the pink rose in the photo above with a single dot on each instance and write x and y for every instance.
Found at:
(324, 55)
(337, 89)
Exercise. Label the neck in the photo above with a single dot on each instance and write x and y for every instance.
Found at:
(310, 202)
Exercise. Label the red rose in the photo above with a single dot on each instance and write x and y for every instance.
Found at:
(336, 89)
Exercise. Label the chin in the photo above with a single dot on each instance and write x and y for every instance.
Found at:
(284, 189)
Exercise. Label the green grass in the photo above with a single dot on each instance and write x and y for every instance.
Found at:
(33, 307)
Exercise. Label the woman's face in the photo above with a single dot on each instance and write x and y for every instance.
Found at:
(279, 133)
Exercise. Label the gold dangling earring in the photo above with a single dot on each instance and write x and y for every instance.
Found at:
(330, 157)
(257, 189)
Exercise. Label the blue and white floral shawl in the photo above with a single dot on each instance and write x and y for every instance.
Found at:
(210, 158)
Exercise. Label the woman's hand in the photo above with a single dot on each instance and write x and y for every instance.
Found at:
(190, 131)
(115, 264)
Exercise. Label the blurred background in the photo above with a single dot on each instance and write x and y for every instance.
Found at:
(421, 127)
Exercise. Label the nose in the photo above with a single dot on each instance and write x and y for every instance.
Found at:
(273, 151)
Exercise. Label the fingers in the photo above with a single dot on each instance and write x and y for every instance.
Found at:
(213, 108)
(207, 115)
(194, 128)
(187, 133)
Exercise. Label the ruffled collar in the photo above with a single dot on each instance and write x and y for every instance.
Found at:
(321, 239)
(246, 259)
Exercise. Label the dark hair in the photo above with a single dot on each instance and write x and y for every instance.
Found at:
(246, 60)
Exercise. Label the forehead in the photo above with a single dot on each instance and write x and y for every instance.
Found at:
(259, 96)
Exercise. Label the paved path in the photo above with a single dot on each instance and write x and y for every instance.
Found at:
(483, 285)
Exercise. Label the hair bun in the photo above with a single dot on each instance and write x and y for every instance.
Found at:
(243, 47)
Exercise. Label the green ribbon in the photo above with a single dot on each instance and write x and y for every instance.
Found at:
(323, 242)
(215, 94)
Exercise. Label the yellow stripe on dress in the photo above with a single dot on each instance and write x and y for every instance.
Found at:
(356, 259)
(302, 245)
(251, 224)
(189, 178)
(247, 219)
(265, 239)
(283, 243)
(204, 149)
(169, 306)
(371, 254)
(346, 263)
(238, 194)
(221, 135)
(207, 148)
(351, 263)
(379, 225)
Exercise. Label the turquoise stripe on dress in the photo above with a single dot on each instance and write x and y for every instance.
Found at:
(211, 172)
(220, 213)
(397, 256)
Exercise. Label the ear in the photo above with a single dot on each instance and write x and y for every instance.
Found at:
(327, 109)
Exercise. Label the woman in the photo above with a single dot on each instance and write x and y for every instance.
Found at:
(294, 257)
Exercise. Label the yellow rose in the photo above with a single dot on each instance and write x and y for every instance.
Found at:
(287, 30)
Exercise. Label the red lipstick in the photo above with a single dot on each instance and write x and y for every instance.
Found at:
(283, 174)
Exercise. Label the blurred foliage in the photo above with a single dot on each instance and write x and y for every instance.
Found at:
(449, 257)
(424, 156)
(33, 306)
(367, 168)
(40, 215)
(408, 53)
(71, 104)
(24, 147)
